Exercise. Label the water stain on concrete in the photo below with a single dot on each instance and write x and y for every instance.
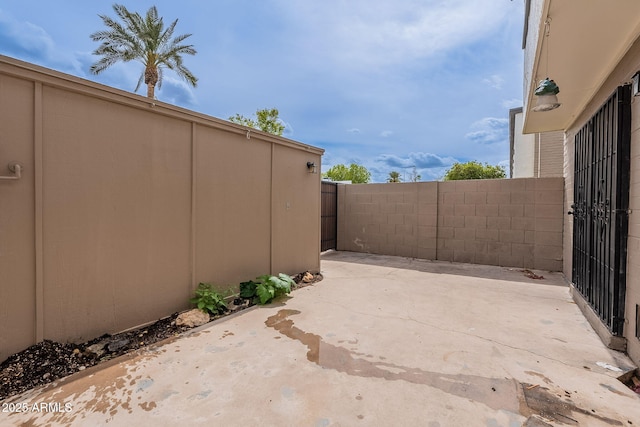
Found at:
(97, 392)
(144, 384)
(543, 402)
(613, 390)
(147, 406)
(215, 349)
(496, 393)
(539, 375)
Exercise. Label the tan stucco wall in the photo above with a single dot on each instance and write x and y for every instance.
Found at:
(125, 205)
(623, 73)
(515, 222)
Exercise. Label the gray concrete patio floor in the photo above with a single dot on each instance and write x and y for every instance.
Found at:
(381, 341)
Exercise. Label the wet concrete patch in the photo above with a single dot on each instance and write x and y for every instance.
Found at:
(613, 390)
(93, 393)
(541, 401)
(528, 400)
(495, 393)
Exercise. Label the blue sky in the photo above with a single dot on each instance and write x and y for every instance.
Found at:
(386, 84)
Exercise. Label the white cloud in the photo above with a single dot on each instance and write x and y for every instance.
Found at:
(288, 129)
(386, 133)
(27, 41)
(512, 103)
(495, 81)
(489, 130)
(354, 130)
(378, 32)
(419, 160)
(175, 91)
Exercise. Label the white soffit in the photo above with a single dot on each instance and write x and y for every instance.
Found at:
(587, 39)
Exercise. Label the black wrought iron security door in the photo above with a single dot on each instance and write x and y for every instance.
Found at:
(600, 208)
(329, 216)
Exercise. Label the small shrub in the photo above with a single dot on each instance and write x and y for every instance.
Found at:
(269, 287)
(248, 289)
(208, 300)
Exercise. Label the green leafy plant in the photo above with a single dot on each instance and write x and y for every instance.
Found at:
(474, 170)
(208, 300)
(269, 287)
(248, 289)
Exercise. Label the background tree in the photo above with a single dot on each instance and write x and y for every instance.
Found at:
(355, 173)
(414, 176)
(267, 120)
(394, 177)
(145, 40)
(474, 170)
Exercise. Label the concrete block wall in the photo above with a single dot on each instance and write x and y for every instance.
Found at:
(514, 223)
(396, 219)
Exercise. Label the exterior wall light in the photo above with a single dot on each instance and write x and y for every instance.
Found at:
(546, 96)
(311, 166)
(635, 84)
(547, 89)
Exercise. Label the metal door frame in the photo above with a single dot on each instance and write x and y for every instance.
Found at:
(329, 216)
(600, 209)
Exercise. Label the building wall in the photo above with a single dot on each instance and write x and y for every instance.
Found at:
(126, 204)
(534, 23)
(538, 155)
(623, 73)
(509, 222)
(550, 154)
(631, 327)
(524, 151)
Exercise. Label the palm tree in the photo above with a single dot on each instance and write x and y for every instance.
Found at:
(394, 177)
(145, 40)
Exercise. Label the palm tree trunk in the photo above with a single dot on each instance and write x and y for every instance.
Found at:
(151, 78)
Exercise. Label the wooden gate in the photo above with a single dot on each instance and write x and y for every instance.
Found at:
(600, 208)
(329, 216)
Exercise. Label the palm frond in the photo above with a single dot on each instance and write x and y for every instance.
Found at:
(164, 38)
(140, 79)
(145, 39)
(160, 77)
